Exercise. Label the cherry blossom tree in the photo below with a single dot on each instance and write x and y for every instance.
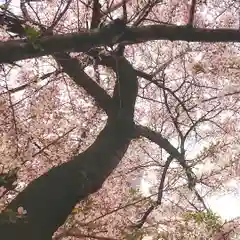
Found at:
(100, 99)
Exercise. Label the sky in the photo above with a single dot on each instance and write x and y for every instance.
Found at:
(227, 206)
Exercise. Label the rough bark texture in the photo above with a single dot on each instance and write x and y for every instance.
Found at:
(50, 198)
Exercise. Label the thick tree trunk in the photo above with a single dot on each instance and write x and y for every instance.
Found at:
(50, 198)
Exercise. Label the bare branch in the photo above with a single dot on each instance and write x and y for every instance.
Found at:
(191, 13)
(96, 14)
(159, 196)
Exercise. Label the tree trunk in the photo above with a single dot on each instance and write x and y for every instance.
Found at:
(50, 198)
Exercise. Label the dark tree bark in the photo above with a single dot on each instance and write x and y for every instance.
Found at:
(50, 198)
(84, 41)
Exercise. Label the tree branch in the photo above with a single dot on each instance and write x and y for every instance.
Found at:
(15, 50)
